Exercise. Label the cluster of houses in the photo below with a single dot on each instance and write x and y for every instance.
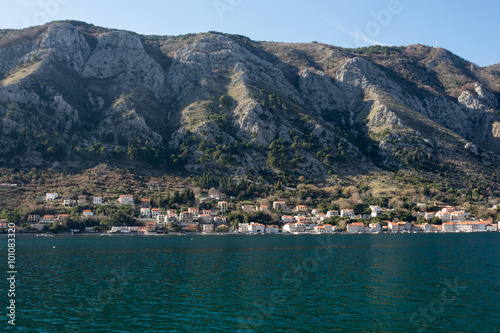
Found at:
(296, 220)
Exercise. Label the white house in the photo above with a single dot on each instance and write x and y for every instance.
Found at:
(323, 229)
(155, 212)
(51, 196)
(68, 203)
(145, 213)
(399, 226)
(300, 227)
(355, 227)
(97, 201)
(287, 219)
(257, 228)
(243, 228)
(347, 213)
(289, 227)
(272, 229)
(247, 208)
(469, 226)
(376, 211)
(209, 227)
(332, 213)
(319, 229)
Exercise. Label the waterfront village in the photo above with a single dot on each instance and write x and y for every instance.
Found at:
(297, 219)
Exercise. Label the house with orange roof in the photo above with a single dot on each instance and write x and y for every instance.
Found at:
(207, 227)
(319, 229)
(205, 218)
(347, 213)
(194, 210)
(155, 212)
(272, 229)
(289, 227)
(191, 228)
(222, 205)
(301, 209)
(468, 226)
(355, 227)
(185, 218)
(88, 212)
(47, 219)
(303, 219)
(279, 204)
(150, 226)
(145, 203)
(263, 208)
(256, 228)
(399, 226)
(207, 212)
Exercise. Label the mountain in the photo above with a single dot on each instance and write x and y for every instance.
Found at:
(73, 95)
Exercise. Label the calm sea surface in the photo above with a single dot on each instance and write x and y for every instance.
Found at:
(264, 283)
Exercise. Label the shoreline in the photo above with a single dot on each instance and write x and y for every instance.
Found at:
(228, 234)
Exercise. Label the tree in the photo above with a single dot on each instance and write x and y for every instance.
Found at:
(224, 101)
(174, 227)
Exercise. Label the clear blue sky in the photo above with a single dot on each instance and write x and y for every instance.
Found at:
(469, 29)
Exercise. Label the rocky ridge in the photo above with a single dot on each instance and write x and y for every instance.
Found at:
(76, 95)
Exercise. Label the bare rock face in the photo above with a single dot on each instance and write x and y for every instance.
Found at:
(447, 113)
(471, 102)
(65, 44)
(486, 96)
(121, 56)
(210, 55)
(360, 73)
(321, 91)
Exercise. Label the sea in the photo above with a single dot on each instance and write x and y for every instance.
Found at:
(256, 283)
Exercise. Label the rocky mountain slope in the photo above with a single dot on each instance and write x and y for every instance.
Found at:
(73, 95)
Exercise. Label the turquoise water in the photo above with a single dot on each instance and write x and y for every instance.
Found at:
(264, 283)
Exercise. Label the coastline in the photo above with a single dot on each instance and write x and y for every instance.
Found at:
(229, 234)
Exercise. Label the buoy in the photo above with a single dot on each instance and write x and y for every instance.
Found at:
(54, 247)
